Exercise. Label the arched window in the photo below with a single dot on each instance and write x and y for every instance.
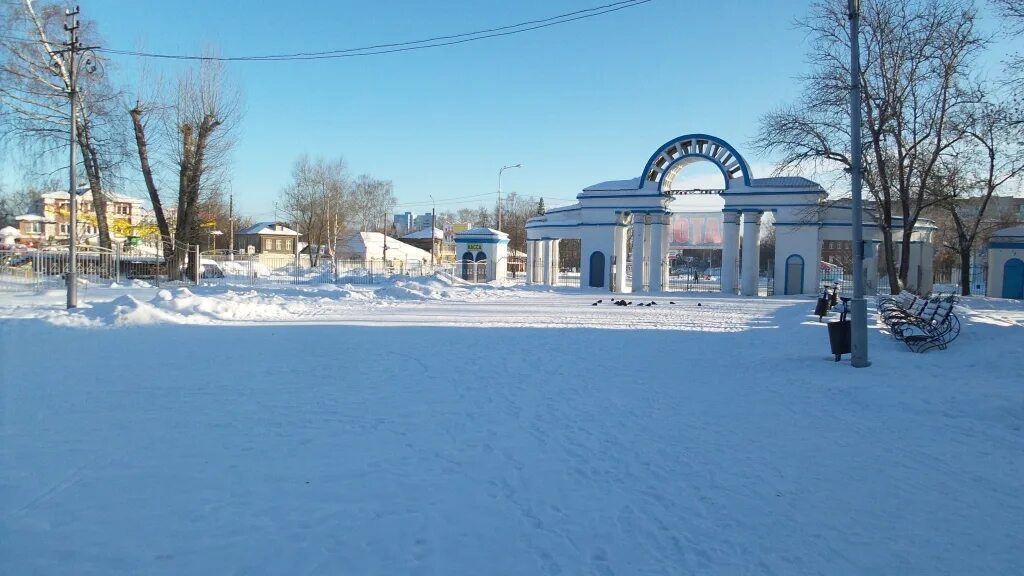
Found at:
(794, 274)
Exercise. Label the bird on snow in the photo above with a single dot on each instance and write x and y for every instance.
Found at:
(594, 304)
(698, 303)
(671, 302)
(601, 300)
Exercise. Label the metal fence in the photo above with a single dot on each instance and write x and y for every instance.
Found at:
(36, 270)
(285, 270)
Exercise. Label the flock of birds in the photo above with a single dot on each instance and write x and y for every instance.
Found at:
(624, 303)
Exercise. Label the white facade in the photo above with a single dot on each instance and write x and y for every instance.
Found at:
(607, 213)
(482, 252)
(1006, 264)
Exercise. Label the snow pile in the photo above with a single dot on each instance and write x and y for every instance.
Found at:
(424, 288)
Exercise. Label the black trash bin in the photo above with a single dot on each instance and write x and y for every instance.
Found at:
(839, 333)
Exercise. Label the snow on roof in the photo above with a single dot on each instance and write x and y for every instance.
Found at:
(371, 245)
(1016, 231)
(269, 229)
(10, 231)
(482, 231)
(424, 234)
(33, 218)
(631, 184)
(784, 182)
(63, 195)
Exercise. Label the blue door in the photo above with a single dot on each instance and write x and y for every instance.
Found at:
(1013, 279)
(794, 274)
(597, 269)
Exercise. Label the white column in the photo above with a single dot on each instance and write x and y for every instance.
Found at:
(554, 261)
(647, 262)
(621, 243)
(530, 255)
(638, 253)
(657, 256)
(748, 270)
(871, 267)
(730, 250)
(546, 248)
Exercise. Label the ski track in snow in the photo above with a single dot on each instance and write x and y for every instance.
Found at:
(498, 432)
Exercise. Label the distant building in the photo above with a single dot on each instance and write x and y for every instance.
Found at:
(372, 246)
(404, 223)
(422, 221)
(266, 238)
(51, 214)
(444, 250)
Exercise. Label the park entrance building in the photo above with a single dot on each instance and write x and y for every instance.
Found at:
(627, 228)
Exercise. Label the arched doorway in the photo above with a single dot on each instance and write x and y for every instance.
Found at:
(480, 268)
(1013, 279)
(794, 283)
(596, 269)
(467, 266)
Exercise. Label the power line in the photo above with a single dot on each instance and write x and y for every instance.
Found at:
(379, 49)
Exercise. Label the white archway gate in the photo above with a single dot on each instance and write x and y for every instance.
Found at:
(608, 215)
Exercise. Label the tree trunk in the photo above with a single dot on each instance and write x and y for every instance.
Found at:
(904, 270)
(147, 174)
(890, 263)
(965, 271)
(92, 172)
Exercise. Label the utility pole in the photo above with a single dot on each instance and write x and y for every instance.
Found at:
(231, 226)
(858, 305)
(72, 46)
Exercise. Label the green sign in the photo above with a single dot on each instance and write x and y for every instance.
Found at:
(474, 247)
(133, 240)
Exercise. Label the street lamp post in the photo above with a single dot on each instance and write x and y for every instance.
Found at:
(858, 305)
(433, 215)
(503, 168)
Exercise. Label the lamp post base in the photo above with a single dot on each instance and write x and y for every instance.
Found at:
(859, 333)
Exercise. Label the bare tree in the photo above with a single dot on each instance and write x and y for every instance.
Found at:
(314, 200)
(370, 204)
(914, 73)
(196, 127)
(35, 78)
(990, 156)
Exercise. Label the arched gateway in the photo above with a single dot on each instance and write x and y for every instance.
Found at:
(606, 213)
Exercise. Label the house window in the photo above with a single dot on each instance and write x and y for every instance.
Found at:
(34, 227)
(268, 245)
(63, 229)
(122, 209)
(278, 244)
(288, 244)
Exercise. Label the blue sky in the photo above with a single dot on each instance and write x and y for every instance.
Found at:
(576, 104)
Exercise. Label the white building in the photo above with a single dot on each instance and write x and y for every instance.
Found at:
(376, 247)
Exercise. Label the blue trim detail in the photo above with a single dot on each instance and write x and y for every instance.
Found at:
(803, 193)
(744, 167)
(785, 283)
(588, 197)
(465, 240)
(1011, 245)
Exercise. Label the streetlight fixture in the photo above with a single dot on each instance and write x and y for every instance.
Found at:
(858, 305)
(503, 168)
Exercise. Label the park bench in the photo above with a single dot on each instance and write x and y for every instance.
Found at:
(920, 323)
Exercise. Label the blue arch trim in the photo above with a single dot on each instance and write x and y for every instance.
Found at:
(785, 283)
(744, 167)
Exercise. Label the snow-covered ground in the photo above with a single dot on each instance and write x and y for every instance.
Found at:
(422, 427)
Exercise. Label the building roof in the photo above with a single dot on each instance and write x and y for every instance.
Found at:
(269, 229)
(482, 231)
(424, 234)
(371, 245)
(33, 218)
(1014, 232)
(63, 195)
(784, 182)
(10, 232)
